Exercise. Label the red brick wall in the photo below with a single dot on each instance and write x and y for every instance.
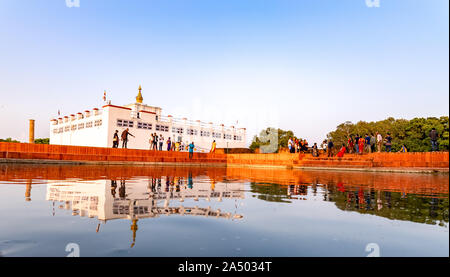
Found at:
(395, 160)
(81, 153)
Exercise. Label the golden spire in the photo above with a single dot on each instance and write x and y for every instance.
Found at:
(139, 97)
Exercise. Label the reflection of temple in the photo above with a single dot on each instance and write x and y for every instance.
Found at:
(412, 197)
(138, 199)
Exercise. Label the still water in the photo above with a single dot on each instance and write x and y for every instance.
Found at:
(180, 211)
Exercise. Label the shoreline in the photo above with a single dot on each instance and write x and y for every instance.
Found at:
(415, 162)
(225, 165)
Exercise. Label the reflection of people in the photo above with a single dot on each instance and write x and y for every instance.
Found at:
(122, 189)
(190, 182)
(213, 184)
(113, 188)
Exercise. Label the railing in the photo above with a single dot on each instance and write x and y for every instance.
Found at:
(194, 123)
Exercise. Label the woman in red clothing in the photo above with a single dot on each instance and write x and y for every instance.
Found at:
(350, 144)
(342, 151)
(361, 145)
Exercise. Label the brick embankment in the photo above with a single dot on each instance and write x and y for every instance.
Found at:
(424, 184)
(44, 153)
(380, 162)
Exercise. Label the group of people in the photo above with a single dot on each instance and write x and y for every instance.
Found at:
(124, 136)
(360, 144)
(369, 143)
(156, 143)
(297, 145)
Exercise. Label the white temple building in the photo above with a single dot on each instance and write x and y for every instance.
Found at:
(96, 128)
(135, 200)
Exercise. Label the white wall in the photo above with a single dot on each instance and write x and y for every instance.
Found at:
(102, 136)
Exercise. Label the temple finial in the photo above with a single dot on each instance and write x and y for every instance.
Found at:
(139, 97)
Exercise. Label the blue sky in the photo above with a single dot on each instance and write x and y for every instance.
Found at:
(301, 65)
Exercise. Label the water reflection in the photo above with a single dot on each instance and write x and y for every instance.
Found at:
(206, 209)
(134, 193)
(425, 208)
(142, 198)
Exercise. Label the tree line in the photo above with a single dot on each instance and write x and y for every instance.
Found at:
(414, 133)
(37, 141)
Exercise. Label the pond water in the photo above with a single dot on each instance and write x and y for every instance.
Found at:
(212, 211)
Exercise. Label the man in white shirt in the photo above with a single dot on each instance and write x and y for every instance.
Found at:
(379, 141)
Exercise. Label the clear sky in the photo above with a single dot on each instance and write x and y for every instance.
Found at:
(301, 65)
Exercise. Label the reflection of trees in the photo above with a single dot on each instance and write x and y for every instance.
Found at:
(389, 204)
(270, 192)
(394, 205)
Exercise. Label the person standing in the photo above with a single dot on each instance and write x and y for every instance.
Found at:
(330, 148)
(290, 145)
(151, 141)
(116, 139)
(124, 136)
(388, 142)
(191, 150)
(379, 142)
(357, 143)
(213, 147)
(315, 150)
(433, 137)
(161, 142)
(361, 145)
(155, 141)
(367, 141)
(373, 141)
(324, 146)
(169, 144)
(350, 144)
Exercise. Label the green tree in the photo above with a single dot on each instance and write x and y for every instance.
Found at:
(414, 133)
(8, 140)
(42, 141)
